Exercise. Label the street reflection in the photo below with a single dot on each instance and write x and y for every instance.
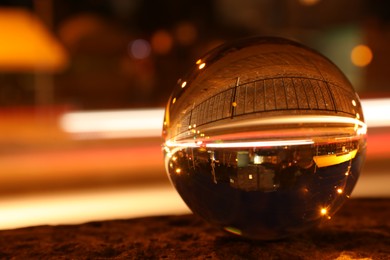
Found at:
(277, 186)
(263, 169)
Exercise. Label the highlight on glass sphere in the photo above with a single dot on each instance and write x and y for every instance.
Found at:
(264, 138)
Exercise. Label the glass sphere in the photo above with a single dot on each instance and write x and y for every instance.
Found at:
(264, 138)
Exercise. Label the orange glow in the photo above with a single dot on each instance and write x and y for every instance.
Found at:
(323, 211)
(361, 55)
(63, 166)
(309, 2)
(186, 33)
(26, 44)
(75, 207)
(161, 42)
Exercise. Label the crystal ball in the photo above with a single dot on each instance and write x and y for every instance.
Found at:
(264, 138)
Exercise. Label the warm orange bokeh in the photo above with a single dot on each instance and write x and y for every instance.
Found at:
(161, 42)
(26, 45)
(361, 55)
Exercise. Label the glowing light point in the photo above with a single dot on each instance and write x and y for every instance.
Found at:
(178, 170)
(183, 84)
(353, 103)
(323, 211)
(339, 191)
(173, 100)
(202, 65)
(357, 116)
(198, 61)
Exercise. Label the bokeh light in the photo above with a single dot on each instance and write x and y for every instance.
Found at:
(361, 55)
(139, 49)
(161, 42)
(186, 33)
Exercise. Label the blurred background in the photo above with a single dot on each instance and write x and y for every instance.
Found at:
(83, 85)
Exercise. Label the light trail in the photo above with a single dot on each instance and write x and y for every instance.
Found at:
(148, 122)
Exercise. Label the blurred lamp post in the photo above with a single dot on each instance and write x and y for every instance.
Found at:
(28, 46)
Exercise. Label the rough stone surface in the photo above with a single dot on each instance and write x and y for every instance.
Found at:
(360, 230)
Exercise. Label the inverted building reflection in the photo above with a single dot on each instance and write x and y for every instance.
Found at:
(263, 169)
(237, 183)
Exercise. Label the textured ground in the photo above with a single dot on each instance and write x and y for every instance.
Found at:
(360, 230)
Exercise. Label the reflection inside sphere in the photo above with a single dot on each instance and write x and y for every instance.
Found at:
(264, 138)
